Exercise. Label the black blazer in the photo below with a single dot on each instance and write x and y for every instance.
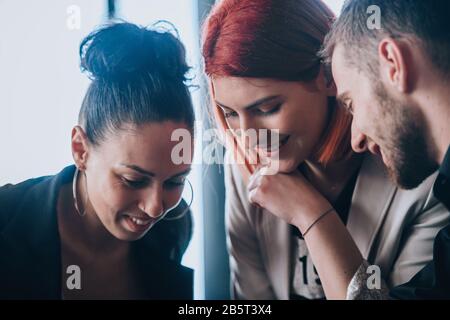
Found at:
(30, 254)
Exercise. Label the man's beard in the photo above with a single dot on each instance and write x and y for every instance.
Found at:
(404, 142)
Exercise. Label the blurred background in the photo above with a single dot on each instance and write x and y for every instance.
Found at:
(41, 90)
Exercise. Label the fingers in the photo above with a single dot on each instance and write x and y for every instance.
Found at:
(255, 179)
(253, 188)
(252, 197)
(264, 171)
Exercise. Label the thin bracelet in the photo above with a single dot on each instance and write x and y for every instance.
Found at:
(317, 220)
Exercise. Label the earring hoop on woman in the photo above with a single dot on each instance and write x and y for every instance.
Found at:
(183, 213)
(75, 194)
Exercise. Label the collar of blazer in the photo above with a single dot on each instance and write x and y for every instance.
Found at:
(30, 247)
(372, 197)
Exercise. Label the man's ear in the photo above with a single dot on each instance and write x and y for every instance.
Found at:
(80, 147)
(394, 56)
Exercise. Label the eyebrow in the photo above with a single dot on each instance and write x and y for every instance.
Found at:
(151, 174)
(255, 104)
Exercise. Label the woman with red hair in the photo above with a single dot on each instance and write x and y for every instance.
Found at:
(304, 230)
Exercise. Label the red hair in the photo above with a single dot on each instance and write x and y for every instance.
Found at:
(276, 39)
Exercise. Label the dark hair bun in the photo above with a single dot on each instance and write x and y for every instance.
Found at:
(121, 51)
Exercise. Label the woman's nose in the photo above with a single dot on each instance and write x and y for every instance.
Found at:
(152, 202)
(247, 124)
(248, 131)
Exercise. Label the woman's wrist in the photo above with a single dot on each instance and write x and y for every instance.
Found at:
(305, 218)
(322, 216)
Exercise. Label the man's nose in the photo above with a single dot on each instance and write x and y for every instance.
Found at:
(359, 140)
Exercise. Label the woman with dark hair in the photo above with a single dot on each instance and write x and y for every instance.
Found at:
(302, 231)
(85, 232)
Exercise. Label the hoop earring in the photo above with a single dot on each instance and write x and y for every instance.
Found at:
(74, 193)
(183, 213)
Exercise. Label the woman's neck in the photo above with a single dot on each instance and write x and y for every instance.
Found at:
(330, 180)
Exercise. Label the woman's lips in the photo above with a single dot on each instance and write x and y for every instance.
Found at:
(138, 223)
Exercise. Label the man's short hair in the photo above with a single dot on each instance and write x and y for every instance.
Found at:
(427, 22)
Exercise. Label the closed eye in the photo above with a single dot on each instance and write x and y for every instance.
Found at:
(175, 183)
(140, 184)
(229, 114)
(135, 184)
(269, 112)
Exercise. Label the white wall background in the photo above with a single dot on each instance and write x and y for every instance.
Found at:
(41, 87)
(335, 5)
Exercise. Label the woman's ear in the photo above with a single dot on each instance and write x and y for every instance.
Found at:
(80, 147)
